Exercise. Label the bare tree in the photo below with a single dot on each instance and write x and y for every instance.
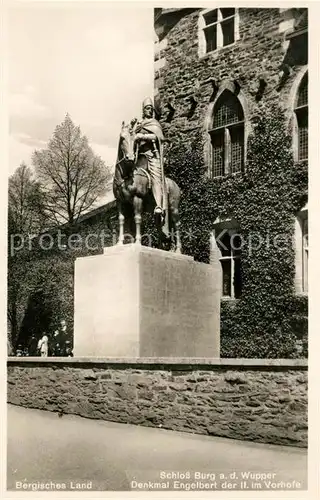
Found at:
(25, 214)
(25, 217)
(71, 176)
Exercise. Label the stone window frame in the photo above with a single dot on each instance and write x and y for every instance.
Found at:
(225, 133)
(301, 251)
(291, 115)
(299, 110)
(220, 227)
(226, 86)
(202, 44)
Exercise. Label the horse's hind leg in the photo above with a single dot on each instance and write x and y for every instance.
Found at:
(174, 200)
(176, 226)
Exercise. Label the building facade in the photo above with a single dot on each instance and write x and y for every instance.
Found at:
(212, 61)
(216, 71)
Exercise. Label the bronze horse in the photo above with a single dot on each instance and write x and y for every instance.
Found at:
(132, 190)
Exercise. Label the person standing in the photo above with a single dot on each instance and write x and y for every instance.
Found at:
(65, 339)
(33, 346)
(43, 346)
(56, 343)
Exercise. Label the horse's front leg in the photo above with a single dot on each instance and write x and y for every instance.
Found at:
(137, 205)
(121, 226)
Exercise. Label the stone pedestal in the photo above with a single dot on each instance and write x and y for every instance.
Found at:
(136, 301)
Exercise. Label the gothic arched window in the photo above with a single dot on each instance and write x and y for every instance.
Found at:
(301, 112)
(227, 135)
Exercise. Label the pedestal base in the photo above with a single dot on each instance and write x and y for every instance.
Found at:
(136, 301)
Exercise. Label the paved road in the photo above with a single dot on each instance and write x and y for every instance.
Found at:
(62, 452)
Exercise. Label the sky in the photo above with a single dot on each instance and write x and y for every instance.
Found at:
(86, 59)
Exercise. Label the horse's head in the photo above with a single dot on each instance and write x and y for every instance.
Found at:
(127, 141)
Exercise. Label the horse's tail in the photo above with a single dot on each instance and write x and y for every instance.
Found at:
(174, 192)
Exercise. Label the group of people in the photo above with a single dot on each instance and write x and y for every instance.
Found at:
(59, 343)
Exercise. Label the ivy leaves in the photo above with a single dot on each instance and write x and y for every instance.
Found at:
(263, 200)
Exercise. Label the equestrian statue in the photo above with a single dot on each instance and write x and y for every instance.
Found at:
(139, 183)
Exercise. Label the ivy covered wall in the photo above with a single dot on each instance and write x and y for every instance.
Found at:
(263, 69)
(268, 318)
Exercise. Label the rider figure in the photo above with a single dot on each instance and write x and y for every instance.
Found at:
(150, 139)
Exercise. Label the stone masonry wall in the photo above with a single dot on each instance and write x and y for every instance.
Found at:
(264, 403)
(259, 53)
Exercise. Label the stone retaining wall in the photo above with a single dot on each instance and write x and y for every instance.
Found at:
(256, 400)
